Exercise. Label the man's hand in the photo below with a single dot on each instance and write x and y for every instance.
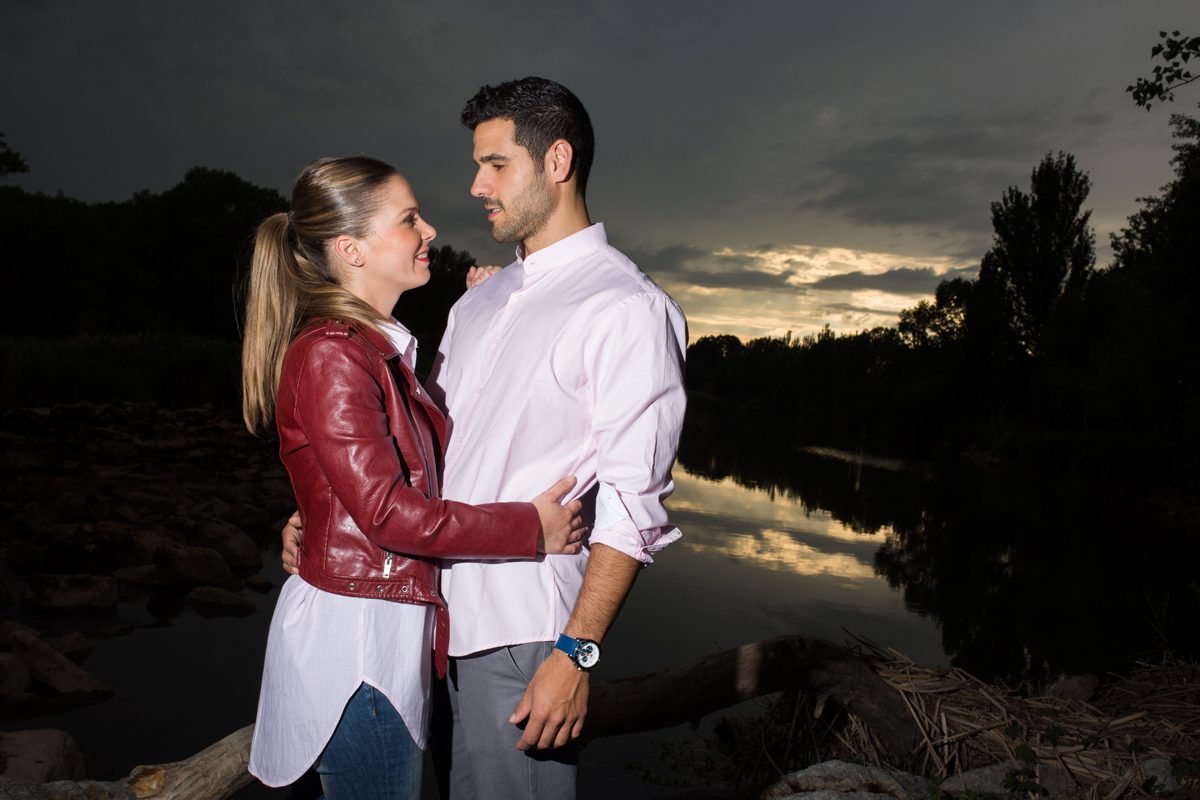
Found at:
(554, 704)
(291, 535)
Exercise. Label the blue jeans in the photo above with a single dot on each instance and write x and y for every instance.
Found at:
(371, 755)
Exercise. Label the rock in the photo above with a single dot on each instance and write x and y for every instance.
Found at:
(238, 549)
(192, 566)
(216, 508)
(72, 592)
(249, 517)
(841, 780)
(73, 644)
(11, 632)
(15, 679)
(830, 794)
(1159, 770)
(1075, 687)
(981, 780)
(110, 630)
(990, 780)
(277, 488)
(145, 498)
(50, 667)
(67, 790)
(40, 756)
(259, 583)
(127, 513)
(209, 601)
(142, 575)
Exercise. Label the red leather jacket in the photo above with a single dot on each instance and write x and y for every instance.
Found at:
(364, 447)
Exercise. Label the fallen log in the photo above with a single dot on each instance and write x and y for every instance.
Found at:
(689, 691)
(625, 705)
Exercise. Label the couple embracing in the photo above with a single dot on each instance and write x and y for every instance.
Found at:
(415, 553)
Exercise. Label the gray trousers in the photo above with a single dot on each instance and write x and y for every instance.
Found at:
(485, 762)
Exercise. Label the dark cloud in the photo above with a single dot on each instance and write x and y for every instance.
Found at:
(690, 265)
(905, 280)
(942, 172)
(877, 127)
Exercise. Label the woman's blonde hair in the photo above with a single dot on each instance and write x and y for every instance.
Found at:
(292, 279)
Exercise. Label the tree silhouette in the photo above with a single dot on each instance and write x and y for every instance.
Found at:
(1147, 312)
(706, 357)
(1043, 249)
(11, 162)
(942, 322)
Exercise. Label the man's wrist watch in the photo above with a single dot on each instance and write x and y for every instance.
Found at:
(584, 653)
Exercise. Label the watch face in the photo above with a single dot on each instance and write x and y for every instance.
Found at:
(588, 654)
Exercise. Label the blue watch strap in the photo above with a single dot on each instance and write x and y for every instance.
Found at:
(568, 644)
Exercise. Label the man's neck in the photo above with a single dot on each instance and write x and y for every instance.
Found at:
(568, 219)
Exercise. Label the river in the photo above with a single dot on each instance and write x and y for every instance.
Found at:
(808, 545)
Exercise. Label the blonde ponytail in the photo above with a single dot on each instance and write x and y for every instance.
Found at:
(291, 280)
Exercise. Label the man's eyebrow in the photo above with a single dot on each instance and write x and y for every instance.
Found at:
(490, 157)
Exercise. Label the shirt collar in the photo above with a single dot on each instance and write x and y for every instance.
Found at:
(574, 246)
(402, 340)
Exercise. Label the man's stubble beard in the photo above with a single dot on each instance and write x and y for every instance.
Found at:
(527, 215)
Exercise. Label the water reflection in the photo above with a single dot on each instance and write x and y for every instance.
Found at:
(1027, 573)
(783, 536)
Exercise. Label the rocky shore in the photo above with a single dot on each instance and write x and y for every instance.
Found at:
(113, 506)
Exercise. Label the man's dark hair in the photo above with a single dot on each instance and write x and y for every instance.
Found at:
(542, 111)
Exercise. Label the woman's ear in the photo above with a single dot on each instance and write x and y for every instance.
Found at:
(347, 252)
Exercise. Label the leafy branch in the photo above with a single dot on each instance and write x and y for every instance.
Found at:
(1176, 51)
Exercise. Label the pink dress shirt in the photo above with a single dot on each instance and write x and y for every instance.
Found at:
(567, 362)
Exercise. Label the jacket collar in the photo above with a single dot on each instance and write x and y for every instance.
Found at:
(378, 340)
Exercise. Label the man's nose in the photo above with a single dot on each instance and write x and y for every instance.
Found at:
(479, 187)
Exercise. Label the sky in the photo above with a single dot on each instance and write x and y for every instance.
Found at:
(775, 166)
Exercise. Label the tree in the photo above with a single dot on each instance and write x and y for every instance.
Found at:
(1164, 234)
(1147, 376)
(1176, 51)
(707, 356)
(11, 162)
(1043, 249)
(940, 323)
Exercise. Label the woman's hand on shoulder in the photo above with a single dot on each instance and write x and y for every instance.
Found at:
(477, 275)
(562, 529)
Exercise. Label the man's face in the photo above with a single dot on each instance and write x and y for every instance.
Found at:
(516, 191)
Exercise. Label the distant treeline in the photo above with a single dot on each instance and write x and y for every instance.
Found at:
(1043, 350)
(1042, 354)
(141, 299)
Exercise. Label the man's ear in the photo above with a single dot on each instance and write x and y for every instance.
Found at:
(559, 160)
(346, 251)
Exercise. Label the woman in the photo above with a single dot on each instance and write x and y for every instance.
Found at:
(346, 680)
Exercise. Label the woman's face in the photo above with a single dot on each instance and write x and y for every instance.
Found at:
(395, 251)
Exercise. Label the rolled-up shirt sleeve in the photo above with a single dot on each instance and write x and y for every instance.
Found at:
(636, 364)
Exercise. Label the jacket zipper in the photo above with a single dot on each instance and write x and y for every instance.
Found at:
(387, 565)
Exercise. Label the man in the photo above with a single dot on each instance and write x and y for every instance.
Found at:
(568, 361)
